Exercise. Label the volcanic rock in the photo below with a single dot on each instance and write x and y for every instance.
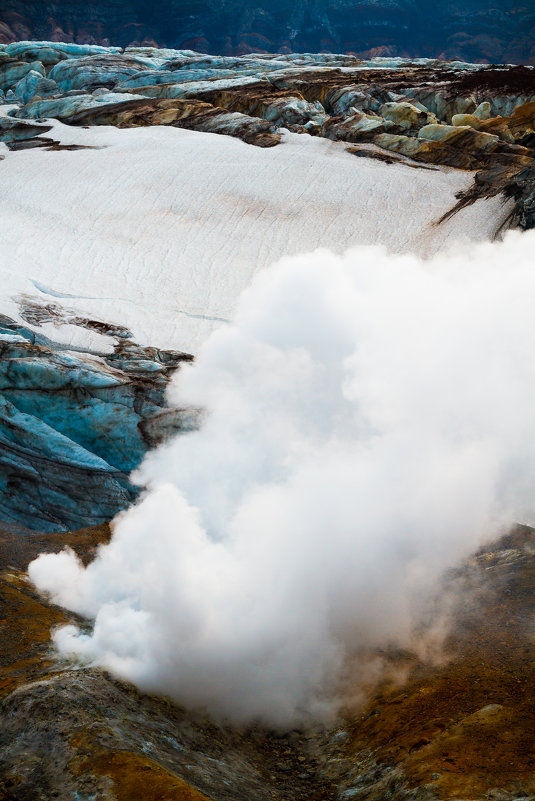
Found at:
(466, 120)
(461, 727)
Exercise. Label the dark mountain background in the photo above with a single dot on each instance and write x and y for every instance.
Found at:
(473, 30)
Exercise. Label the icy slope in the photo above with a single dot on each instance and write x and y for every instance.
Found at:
(73, 426)
(159, 229)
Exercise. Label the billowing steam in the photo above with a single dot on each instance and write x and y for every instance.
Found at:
(369, 421)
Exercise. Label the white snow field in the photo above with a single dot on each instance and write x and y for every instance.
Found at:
(160, 229)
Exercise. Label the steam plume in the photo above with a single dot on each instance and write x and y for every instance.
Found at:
(369, 421)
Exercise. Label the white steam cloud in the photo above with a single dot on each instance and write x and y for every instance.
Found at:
(369, 421)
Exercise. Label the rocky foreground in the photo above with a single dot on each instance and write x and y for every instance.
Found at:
(461, 729)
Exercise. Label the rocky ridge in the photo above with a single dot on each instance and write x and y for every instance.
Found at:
(425, 112)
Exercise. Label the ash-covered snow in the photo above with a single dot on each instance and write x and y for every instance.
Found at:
(160, 229)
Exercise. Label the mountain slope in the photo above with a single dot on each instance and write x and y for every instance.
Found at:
(473, 31)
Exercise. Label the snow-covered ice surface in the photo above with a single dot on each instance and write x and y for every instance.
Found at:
(160, 229)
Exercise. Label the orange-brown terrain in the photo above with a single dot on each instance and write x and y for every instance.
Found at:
(460, 728)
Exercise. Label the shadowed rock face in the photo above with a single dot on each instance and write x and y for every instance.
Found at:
(74, 424)
(503, 33)
(463, 728)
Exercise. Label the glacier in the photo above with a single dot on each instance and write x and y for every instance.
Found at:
(145, 188)
(160, 229)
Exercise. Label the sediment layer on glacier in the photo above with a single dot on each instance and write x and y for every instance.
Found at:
(149, 235)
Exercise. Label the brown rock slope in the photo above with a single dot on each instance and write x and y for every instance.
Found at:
(467, 729)
(464, 729)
